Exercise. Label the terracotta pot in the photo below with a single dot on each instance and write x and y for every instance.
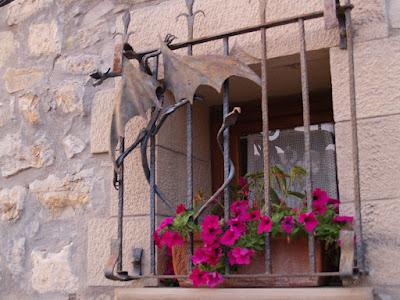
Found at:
(288, 257)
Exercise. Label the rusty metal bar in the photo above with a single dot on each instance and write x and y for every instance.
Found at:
(244, 30)
(152, 204)
(120, 206)
(265, 126)
(226, 146)
(307, 141)
(354, 145)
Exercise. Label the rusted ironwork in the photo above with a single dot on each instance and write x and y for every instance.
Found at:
(354, 143)
(5, 2)
(307, 141)
(182, 76)
(265, 126)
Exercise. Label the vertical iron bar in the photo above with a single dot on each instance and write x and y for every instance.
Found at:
(226, 145)
(355, 150)
(153, 190)
(120, 205)
(265, 126)
(307, 142)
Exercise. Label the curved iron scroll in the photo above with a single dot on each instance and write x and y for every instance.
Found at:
(228, 121)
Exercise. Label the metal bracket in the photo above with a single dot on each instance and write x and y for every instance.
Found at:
(137, 261)
(346, 267)
(334, 16)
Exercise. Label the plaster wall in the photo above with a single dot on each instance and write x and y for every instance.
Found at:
(57, 204)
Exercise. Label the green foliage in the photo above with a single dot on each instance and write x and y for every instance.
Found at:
(184, 225)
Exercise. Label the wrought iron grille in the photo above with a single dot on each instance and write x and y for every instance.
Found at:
(334, 15)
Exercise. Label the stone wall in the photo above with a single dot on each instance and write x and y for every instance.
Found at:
(56, 203)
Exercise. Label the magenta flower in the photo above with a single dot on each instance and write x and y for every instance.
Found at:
(210, 229)
(237, 225)
(240, 256)
(170, 238)
(199, 256)
(287, 224)
(165, 223)
(253, 215)
(343, 219)
(213, 254)
(157, 240)
(242, 181)
(239, 209)
(335, 203)
(309, 221)
(214, 279)
(198, 277)
(320, 201)
(265, 225)
(180, 209)
(230, 237)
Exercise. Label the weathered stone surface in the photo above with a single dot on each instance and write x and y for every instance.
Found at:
(57, 193)
(20, 79)
(382, 241)
(12, 202)
(16, 257)
(377, 65)
(101, 114)
(78, 64)
(97, 12)
(52, 272)
(7, 46)
(44, 39)
(29, 107)
(6, 110)
(394, 13)
(15, 156)
(101, 232)
(69, 97)
(20, 10)
(73, 145)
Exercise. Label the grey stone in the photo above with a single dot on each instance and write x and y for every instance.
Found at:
(73, 145)
(12, 202)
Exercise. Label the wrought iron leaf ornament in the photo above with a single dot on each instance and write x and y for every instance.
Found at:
(136, 95)
(184, 74)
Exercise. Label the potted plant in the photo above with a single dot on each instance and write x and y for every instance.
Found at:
(240, 242)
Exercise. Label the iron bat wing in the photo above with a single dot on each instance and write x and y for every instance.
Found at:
(184, 74)
(136, 95)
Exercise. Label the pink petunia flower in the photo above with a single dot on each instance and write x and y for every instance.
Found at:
(230, 237)
(320, 201)
(240, 256)
(199, 256)
(157, 240)
(165, 223)
(237, 225)
(343, 219)
(210, 229)
(309, 221)
(213, 254)
(214, 279)
(171, 238)
(198, 277)
(287, 224)
(180, 209)
(265, 225)
(253, 215)
(335, 203)
(239, 209)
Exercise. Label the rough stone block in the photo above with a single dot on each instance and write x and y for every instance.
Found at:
(44, 39)
(101, 114)
(29, 107)
(21, 10)
(21, 79)
(82, 64)
(394, 13)
(382, 241)
(52, 272)
(6, 110)
(7, 46)
(377, 65)
(100, 234)
(12, 202)
(69, 96)
(73, 145)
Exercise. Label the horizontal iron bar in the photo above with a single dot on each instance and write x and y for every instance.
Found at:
(244, 30)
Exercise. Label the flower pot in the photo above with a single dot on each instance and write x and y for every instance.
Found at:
(288, 257)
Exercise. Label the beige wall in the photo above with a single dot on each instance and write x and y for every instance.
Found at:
(54, 127)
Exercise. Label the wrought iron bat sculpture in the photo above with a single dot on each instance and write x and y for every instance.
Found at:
(140, 91)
